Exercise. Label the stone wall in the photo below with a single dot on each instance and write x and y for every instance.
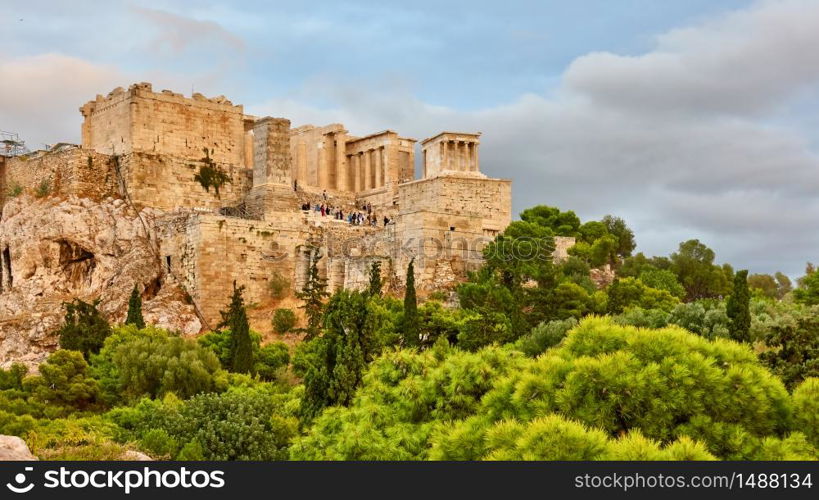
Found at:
(488, 199)
(139, 119)
(66, 170)
(207, 252)
(168, 182)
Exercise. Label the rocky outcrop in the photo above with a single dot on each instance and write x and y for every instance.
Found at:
(55, 249)
(135, 456)
(14, 448)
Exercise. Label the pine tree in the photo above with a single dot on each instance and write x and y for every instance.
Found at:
(85, 329)
(738, 308)
(241, 345)
(135, 310)
(410, 322)
(313, 294)
(375, 280)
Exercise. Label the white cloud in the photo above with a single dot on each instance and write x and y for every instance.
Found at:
(700, 137)
(40, 96)
(680, 136)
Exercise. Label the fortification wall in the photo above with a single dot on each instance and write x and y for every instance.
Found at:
(69, 170)
(488, 199)
(139, 119)
(208, 252)
(168, 182)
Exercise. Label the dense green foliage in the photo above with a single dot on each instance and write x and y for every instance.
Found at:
(660, 385)
(677, 358)
(808, 292)
(84, 329)
(332, 364)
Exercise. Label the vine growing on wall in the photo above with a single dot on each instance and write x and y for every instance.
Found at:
(211, 175)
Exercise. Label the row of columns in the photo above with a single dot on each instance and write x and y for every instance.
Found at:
(460, 156)
(369, 169)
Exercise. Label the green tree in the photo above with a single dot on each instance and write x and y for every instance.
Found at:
(241, 345)
(625, 293)
(106, 371)
(557, 222)
(332, 364)
(241, 424)
(620, 231)
(410, 320)
(806, 409)
(662, 279)
(793, 345)
(784, 285)
(694, 266)
(313, 294)
(84, 329)
(134, 316)
(271, 359)
(64, 382)
(155, 366)
(808, 291)
(765, 283)
(738, 308)
(375, 279)
(544, 336)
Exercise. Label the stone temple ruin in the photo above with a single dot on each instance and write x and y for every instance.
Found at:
(223, 196)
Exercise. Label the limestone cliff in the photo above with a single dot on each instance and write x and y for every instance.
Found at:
(55, 249)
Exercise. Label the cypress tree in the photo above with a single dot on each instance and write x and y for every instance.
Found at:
(313, 294)
(135, 310)
(738, 308)
(85, 329)
(241, 345)
(410, 307)
(375, 280)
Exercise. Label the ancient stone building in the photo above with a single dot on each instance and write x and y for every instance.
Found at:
(219, 197)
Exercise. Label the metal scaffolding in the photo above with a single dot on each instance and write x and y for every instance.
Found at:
(11, 145)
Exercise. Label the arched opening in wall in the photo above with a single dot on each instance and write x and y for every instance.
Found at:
(76, 262)
(9, 278)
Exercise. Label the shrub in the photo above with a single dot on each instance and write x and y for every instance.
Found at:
(14, 190)
(158, 443)
(664, 384)
(278, 286)
(241, 424)
(806, 409)
(64, 382)
(544, 336)
(84, 329)
(283, 320)
(43, 188)
(156, 366)
(89, 438)
(271, 358)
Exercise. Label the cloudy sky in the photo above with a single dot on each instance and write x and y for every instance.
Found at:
(688, 118)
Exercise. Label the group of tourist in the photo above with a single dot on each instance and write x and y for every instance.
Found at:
(366, 216)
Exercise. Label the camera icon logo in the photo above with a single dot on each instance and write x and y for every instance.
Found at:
(20, 479)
